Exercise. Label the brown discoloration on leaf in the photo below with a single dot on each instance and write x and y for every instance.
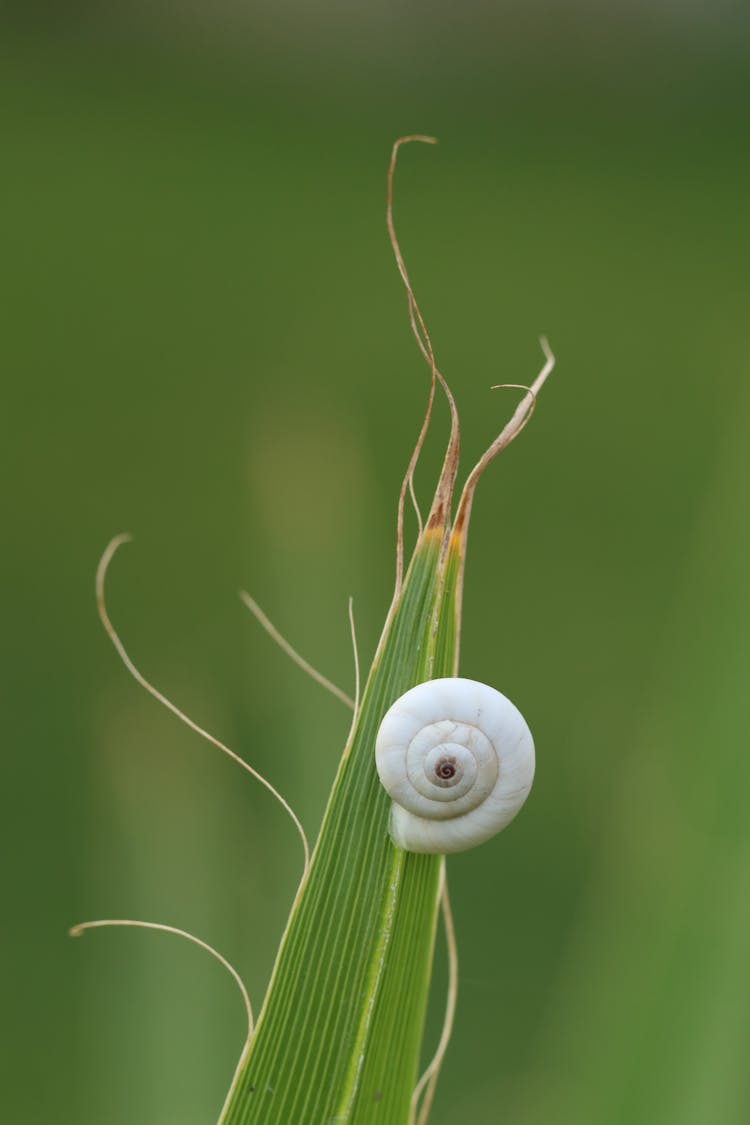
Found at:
(437, 516)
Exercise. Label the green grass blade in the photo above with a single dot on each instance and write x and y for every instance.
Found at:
(339, 1034)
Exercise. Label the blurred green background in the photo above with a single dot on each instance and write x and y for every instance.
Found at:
(204, 342)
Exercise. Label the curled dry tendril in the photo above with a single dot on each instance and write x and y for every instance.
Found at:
(82, 927)
(292, 653)
(422, 336)
(428, 1081)
(101, 575)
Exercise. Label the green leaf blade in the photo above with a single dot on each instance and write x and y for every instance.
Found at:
(339, 1035)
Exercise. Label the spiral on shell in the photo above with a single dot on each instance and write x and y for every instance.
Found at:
(457, 758)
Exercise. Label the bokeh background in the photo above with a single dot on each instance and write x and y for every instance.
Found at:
(204, 342)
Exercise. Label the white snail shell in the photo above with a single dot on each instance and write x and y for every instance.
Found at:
(457, 758)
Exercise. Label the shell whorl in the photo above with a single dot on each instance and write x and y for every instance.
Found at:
(457, 758)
